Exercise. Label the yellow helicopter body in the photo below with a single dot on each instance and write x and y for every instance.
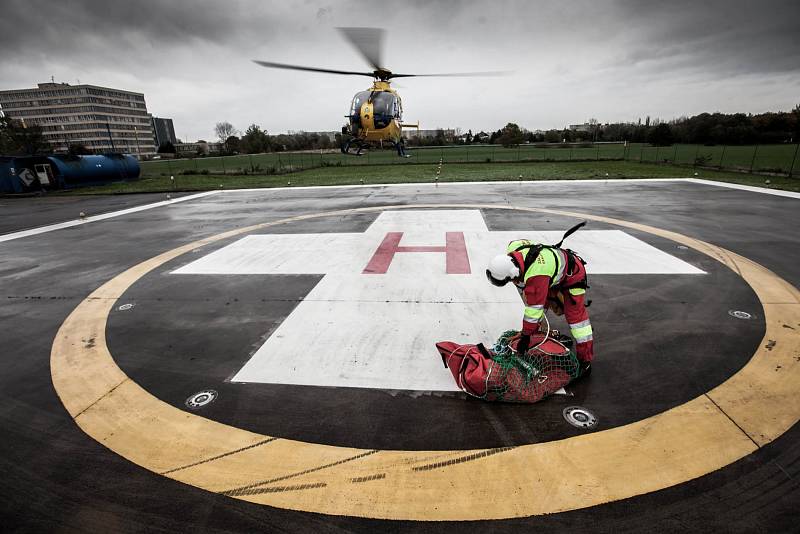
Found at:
(376, 114)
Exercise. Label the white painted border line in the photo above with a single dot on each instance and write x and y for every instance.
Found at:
(537, 183)
(752, 189)
(101, 217)
(442, 184)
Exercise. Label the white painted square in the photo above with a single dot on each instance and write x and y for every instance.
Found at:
(379, 330)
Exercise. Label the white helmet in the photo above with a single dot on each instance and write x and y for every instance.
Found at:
(501, 270)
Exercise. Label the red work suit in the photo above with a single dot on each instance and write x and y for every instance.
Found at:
(536, 291)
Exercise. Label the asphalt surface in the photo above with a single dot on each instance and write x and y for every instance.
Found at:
(34, 212)
(661, 341)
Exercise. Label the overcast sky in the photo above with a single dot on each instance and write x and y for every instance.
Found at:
(571, 60)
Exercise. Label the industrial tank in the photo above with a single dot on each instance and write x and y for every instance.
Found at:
(24, 174)
(76, 171)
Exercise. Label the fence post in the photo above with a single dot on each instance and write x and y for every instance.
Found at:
(753, 161)
(791, 169)
(252, 169)
(658, 149)
(597, 154)
(675, 154)
(722, 157)
(696, 154)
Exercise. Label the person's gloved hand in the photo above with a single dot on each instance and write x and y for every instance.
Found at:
(523, 344)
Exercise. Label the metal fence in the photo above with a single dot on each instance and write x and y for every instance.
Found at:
(780, 159)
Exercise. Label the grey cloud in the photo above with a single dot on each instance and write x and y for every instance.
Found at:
(728, 37)
(60, 28)
(572, 59)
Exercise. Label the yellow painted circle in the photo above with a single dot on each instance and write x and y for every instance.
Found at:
(750, 409)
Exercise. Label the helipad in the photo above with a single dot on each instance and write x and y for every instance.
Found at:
(312, 319)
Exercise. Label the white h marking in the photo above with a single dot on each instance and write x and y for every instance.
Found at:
(379, 330)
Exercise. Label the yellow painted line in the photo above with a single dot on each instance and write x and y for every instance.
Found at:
(750, 409)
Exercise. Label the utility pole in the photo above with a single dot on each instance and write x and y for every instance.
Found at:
(110, 139)
(136, 135)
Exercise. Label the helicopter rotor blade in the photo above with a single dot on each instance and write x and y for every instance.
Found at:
(311, 69)
(368, 41)
(455, 74)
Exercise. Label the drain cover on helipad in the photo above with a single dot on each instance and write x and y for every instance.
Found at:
(580, 417)
(201, 398)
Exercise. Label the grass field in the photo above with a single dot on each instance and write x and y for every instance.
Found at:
(765, 158)
(450, 172)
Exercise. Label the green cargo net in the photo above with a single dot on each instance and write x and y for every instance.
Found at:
(548, 366)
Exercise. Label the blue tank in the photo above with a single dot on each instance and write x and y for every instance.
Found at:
(76, 171)
(22, 174)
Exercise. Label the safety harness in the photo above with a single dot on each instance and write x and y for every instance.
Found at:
(535, 249)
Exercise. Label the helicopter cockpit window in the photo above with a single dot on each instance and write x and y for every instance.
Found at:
(355, 110)
(384, 108)
(358, 101)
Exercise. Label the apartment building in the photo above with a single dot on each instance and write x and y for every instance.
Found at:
(100, 118)
(164, 131)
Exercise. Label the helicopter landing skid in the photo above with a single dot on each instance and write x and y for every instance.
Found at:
(359, 145)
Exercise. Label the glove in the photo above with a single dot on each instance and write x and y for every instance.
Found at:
(523, 344)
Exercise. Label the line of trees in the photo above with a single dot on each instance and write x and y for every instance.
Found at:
(256, 140)
(711, 128)
(705, 128)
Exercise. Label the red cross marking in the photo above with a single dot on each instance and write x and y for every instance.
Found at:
(455, 249)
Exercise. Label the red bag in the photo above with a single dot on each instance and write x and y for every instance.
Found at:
(470, 368)
(547, 367)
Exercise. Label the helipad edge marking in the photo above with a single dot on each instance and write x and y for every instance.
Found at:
(100, 217)
(68, 224)
(582, 471)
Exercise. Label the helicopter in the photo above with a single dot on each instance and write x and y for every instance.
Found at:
(376, 114)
